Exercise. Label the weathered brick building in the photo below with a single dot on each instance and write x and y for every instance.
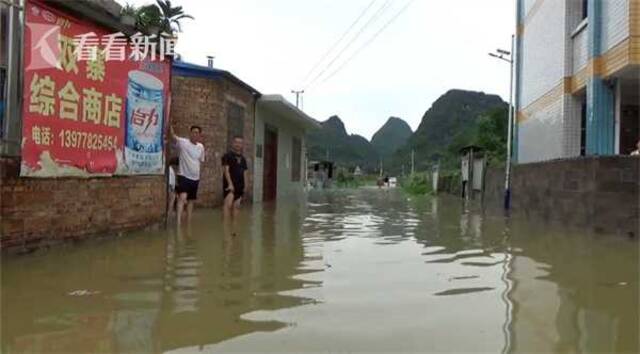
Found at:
(37, 212)
(223, 106)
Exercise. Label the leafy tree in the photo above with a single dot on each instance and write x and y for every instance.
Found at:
(450, 124)
(491, 135)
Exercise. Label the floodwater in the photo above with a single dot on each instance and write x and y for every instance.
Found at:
(342, 271)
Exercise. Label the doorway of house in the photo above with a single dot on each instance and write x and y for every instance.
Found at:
(629, 129)
(270, 175)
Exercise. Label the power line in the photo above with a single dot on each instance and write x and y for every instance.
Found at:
(326, 54)
(366, 44)
(375, 16)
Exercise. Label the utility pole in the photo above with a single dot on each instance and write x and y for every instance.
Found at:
(298, 94)
(413, 162)
(503, 55)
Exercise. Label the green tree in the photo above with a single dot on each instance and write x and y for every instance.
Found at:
(491, 135)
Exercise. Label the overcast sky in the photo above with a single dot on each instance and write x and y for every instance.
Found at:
(430, 47)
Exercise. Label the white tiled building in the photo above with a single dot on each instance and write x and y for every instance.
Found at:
(577, 78)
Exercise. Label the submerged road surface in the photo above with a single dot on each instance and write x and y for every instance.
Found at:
(339, 271)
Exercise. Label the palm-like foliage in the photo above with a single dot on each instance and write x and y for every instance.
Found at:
(148, 16)
(161, 15)
(129, 10)
(171, 16)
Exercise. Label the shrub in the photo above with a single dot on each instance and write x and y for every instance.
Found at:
(417, 184)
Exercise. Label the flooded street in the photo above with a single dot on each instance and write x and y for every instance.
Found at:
(357, 271)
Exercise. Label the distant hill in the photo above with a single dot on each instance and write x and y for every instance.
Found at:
(394, 134)
(455, 119)
(334, 143)
(445, 126)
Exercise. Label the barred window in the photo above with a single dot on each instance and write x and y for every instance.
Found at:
(235, 122)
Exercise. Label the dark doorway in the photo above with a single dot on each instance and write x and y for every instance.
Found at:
(629, 129)
(270, 174)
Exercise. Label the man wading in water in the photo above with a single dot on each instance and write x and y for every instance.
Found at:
(235, 174)
(190, 156)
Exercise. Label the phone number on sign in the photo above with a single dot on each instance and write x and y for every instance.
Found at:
(88, 141)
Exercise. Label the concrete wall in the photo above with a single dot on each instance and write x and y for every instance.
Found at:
(204, 102)
(286, 132)
(597, 193)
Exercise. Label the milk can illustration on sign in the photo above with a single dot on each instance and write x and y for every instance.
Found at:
(143, 134)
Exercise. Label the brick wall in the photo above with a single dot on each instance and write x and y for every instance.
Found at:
(37, 212)
(204, 102)
(601, 194)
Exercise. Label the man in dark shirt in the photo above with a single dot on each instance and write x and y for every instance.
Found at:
(234, 175)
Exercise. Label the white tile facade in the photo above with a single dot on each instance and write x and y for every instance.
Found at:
(541, 136)
(528, 5)
(543, 48)
(572, 125)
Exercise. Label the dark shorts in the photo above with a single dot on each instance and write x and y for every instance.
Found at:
(189, 186)
(237, 193)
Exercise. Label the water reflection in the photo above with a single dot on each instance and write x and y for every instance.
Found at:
(356, 271)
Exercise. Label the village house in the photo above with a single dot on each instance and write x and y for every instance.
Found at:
(280, 161)
(273, 129)
(39, 211)
(578, 78)
(577, 103)
(57, 198)
(224, 106)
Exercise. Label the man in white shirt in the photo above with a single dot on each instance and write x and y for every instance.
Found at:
(191, 156)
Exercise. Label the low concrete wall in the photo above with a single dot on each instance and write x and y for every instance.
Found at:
(494, 187)
(450, 184)
(600, 193)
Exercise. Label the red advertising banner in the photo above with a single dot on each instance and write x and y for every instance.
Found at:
(94, 103)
